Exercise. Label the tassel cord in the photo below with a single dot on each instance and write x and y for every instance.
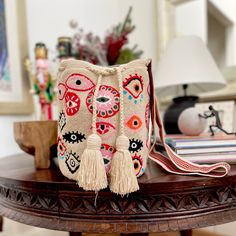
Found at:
(121, 101)
(123, 177)
(94, 119)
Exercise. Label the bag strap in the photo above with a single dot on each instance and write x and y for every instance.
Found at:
(176, 164)
(172, 162)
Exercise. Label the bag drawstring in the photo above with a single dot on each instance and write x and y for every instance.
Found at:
(123, 177)
(92, 174)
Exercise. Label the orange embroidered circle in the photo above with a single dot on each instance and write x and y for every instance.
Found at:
(134, 122)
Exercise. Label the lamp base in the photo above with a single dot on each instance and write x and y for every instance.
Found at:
(173, 112)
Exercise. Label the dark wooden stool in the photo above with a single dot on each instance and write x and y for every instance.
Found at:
(165, 202)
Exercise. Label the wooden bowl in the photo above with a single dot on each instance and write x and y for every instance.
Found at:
(36, 138)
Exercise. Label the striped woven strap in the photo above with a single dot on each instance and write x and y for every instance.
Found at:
(174, 163)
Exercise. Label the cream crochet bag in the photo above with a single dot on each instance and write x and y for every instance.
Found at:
(111, 144)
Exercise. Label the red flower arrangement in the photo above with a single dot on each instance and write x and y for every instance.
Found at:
(109, 51)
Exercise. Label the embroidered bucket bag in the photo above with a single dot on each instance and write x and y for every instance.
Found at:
(106, 119)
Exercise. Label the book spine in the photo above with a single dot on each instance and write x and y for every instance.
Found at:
(204, 146)
(205, 150)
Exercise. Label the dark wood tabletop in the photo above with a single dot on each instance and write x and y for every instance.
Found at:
(165, 202)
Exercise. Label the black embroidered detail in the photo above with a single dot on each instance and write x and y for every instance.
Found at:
(62, 120)
(135, 145)
(74, 137)
(72, 162)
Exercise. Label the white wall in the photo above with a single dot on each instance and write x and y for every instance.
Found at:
(228, 7)
(48, 20)
(191, 19)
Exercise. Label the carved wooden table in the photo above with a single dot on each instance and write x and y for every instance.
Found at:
(165, 202)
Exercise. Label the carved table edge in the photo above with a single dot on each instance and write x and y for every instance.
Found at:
(94, 226)
(52, 210)
(142, 207)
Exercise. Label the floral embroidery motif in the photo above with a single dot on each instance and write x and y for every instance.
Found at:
(108, 101)
(74, 137)
(79, 82)
(72, 162)
(72, 103)
(138, 164)
(134, 122)
(107, 153)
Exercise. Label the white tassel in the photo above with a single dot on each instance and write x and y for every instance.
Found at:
(92, 173)
(123, 177)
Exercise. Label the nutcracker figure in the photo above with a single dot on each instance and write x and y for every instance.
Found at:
(42, 81)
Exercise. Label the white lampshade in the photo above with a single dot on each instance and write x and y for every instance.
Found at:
(187, 61)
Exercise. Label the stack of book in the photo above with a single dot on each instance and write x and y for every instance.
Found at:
(204, 148)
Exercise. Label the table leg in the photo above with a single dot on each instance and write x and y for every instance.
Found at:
(75, 234)
(186, 232)
(1, 223)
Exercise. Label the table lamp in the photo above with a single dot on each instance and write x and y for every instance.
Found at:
(186, 67)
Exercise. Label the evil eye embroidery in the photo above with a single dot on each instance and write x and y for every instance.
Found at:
(107, 101)
(74, 137)
(135, 145)
(62, 121)
(72, 103)
(147, 115)
(79, 82)
(107, 153)
(138, 164)
(104, 128)
(61, 91)
(134, 122)
(61, 147)
(72, 162)
(133, 86)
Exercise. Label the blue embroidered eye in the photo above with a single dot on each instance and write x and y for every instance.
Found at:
(135, 145)
(74, 137)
